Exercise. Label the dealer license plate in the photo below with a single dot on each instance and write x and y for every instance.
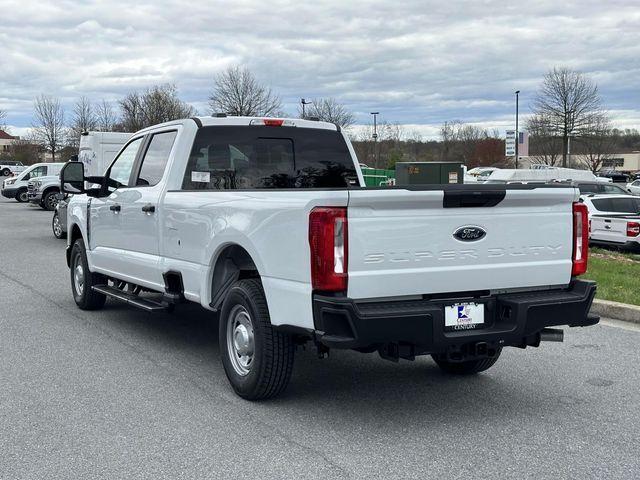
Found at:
(464, 316)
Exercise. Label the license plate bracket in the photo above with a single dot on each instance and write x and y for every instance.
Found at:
(464, 316)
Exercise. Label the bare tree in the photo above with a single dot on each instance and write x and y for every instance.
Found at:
(566, 100)
(469, 136)
(84, 120)
(544, 145)
(155, 105)
(3, 118)
(328, 110)
(597, 143)
(237, 92)
(448, 136)
(48, 128)
(105, 117)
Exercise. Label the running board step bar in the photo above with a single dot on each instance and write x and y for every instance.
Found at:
(145, 304)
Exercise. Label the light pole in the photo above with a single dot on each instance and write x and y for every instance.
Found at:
(569, 135)
(375, 138)
(566, 158)
(303, 102)
(517, 133)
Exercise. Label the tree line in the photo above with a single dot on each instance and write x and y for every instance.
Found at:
(568, 123)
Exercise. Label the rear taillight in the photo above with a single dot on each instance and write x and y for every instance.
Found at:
(328, 242)
(580, 238)
(633, 229)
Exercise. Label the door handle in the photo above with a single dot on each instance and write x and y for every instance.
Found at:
(149, 208)
(115, 208)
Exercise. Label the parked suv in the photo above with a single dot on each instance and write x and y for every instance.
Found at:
(599, 188)
(614, 175)
(17, 187)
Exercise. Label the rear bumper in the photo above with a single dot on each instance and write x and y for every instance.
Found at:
(633, 245)
(513, 319)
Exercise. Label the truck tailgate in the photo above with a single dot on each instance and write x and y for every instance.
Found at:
(401, 242)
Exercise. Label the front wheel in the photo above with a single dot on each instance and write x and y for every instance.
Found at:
(257, 359)
(22, 195)
(56, 226)
(469, 367)
(6, 172)
(82, 280)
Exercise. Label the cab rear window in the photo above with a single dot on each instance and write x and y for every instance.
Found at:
(618, 205)
(263, 157)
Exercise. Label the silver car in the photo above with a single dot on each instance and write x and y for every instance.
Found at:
(59, 221)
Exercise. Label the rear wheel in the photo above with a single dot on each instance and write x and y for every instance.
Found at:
(82, 280)
(467, 368)
(6, 172)
(50, 200)
(257, 359)
(21, 195)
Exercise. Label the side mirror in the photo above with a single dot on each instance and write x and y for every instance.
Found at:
(72, 178)
(73, 158)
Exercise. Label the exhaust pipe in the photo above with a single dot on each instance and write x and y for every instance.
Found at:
(551, 335)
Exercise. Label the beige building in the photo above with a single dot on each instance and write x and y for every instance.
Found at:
(624, 162)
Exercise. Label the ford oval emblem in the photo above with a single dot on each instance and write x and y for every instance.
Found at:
(469, 233)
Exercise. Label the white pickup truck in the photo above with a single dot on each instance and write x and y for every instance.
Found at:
(614, 221)
(11, 167)
(266, 221)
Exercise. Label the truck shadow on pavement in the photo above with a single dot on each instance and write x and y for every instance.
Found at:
(347, 387)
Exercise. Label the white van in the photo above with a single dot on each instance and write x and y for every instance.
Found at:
(98, 149)
(16, 187)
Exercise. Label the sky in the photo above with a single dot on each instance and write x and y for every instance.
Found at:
(419, 63)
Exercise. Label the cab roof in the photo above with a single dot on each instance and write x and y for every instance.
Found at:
(207, 121)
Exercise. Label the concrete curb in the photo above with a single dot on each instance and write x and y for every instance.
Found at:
(616, 310)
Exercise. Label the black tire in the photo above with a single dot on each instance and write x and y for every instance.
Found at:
(85, 297)
(49, 200)
(466, 368)
(271, 359)
(57, 227)
(6, 172)
(22, 196)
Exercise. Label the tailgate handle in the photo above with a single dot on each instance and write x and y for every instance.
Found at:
(607, 221)
(473, 198)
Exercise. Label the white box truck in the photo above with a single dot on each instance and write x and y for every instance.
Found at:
(98, 149)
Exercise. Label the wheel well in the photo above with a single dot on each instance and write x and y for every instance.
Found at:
(48, 189)
(233, 263)
(73, 236)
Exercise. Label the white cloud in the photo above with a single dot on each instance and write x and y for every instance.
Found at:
(420, 62)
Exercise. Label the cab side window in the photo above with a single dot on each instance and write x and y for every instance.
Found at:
(120, 170)
(155, 158)
(40, 171)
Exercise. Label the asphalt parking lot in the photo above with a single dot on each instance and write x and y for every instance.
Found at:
(121, 394)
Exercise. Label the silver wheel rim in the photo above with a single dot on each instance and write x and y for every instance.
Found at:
(57, 229)
(240, 340)
(52, 201)
(78, 275)
(23, 196)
